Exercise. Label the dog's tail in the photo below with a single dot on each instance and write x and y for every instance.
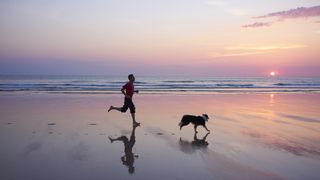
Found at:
(180, 123)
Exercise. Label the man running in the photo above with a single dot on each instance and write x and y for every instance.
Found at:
(128, 91)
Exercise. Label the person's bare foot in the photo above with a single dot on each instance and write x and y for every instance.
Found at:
(110, 108)
(111, 140)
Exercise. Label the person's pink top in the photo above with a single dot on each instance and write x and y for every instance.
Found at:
(129, 88)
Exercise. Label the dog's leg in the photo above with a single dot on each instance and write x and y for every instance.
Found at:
(195, 128)
(180, 125)
(206, 128)
(205, 137)
(195, 137)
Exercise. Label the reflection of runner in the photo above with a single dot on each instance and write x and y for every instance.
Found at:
(128, 91)
(128, 158)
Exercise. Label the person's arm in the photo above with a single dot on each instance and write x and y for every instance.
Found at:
(124, 92)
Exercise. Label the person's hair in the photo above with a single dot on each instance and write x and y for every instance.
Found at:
(130, 76)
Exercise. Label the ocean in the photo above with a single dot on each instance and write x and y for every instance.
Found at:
(113, 84)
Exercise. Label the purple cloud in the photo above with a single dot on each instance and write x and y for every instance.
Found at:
(257, 25)
(300, 12)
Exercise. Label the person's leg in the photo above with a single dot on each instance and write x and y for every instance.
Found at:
(121, 109)
(133, 113)
(124, 139)
(114, 108)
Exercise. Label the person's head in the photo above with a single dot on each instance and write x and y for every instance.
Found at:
(131, 170)
(131, 77)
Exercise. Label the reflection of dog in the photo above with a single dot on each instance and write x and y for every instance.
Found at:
(195, 120)
(197, 144)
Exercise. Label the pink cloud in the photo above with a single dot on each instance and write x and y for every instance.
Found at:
(257, 25)
(300, 12)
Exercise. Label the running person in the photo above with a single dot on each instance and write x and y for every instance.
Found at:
(128, 91)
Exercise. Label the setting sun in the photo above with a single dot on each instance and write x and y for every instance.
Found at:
(272, 73)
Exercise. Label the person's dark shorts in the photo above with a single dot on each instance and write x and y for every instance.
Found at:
(128, 104)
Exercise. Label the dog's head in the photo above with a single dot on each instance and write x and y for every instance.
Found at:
(205, 116)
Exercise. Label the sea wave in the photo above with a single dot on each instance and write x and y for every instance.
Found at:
(82, 84)
(181, 81)
(235, 85)
(298, 84)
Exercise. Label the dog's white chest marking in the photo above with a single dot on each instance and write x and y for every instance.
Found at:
(204, 118)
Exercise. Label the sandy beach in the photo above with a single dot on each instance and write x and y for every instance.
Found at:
(72, 136)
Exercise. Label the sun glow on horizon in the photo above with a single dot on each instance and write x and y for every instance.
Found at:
(272, 73)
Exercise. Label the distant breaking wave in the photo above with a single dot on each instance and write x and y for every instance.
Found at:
(104, 84)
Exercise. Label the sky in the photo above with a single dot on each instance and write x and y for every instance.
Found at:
(163, 37)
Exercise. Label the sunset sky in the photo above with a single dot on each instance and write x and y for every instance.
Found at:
(164, 37)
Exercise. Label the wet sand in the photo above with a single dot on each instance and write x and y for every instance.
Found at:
(72, 136)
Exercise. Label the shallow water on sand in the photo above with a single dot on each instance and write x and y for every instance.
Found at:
(61, 136)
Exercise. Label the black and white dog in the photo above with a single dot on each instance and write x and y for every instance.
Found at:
(195, 120)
